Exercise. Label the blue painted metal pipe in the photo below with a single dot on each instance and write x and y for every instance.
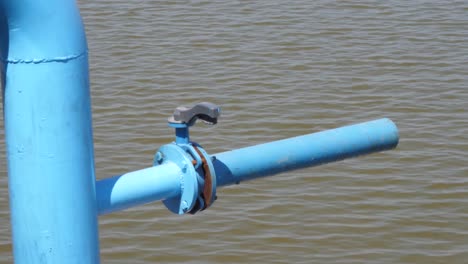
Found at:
(170, 181)
(48, 132)
(305, 151)
(138, 187)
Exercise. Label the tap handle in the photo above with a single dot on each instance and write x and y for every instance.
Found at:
(208, 112)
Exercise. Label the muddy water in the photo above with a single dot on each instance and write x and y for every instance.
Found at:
(280, 69)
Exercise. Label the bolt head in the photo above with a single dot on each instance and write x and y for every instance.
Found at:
(184, 206)
(184, 167)
(159, 157)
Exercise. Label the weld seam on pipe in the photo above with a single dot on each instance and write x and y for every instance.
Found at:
(60, 59)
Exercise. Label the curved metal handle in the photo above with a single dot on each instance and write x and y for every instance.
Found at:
(207, 112)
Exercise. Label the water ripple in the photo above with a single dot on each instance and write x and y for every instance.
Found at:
(280, 70)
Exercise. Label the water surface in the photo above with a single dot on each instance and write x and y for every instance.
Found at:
(281, 69)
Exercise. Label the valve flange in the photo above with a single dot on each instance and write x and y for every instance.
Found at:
(198, 177)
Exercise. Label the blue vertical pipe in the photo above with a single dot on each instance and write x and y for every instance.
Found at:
(182, 135)
(305, 151)
(48, 132)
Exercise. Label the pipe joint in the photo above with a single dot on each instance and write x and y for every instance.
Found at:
(198, 178)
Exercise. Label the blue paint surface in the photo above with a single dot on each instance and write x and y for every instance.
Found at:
(179, 183)
(138, 187)
(305, 151)
(48, 132)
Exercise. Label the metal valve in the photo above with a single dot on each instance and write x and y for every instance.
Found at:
(185, 117)
(207, 112)
(197, 170)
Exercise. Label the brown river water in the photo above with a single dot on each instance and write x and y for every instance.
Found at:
(280, 69)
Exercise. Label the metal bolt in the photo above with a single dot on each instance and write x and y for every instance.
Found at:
(184, 206)
(159, 157)
(184, 167)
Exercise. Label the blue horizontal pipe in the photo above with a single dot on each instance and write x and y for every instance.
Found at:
(305, 151)
(165, 181)
(138, 187)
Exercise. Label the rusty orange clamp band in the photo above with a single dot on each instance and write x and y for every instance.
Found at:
(207, 188)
